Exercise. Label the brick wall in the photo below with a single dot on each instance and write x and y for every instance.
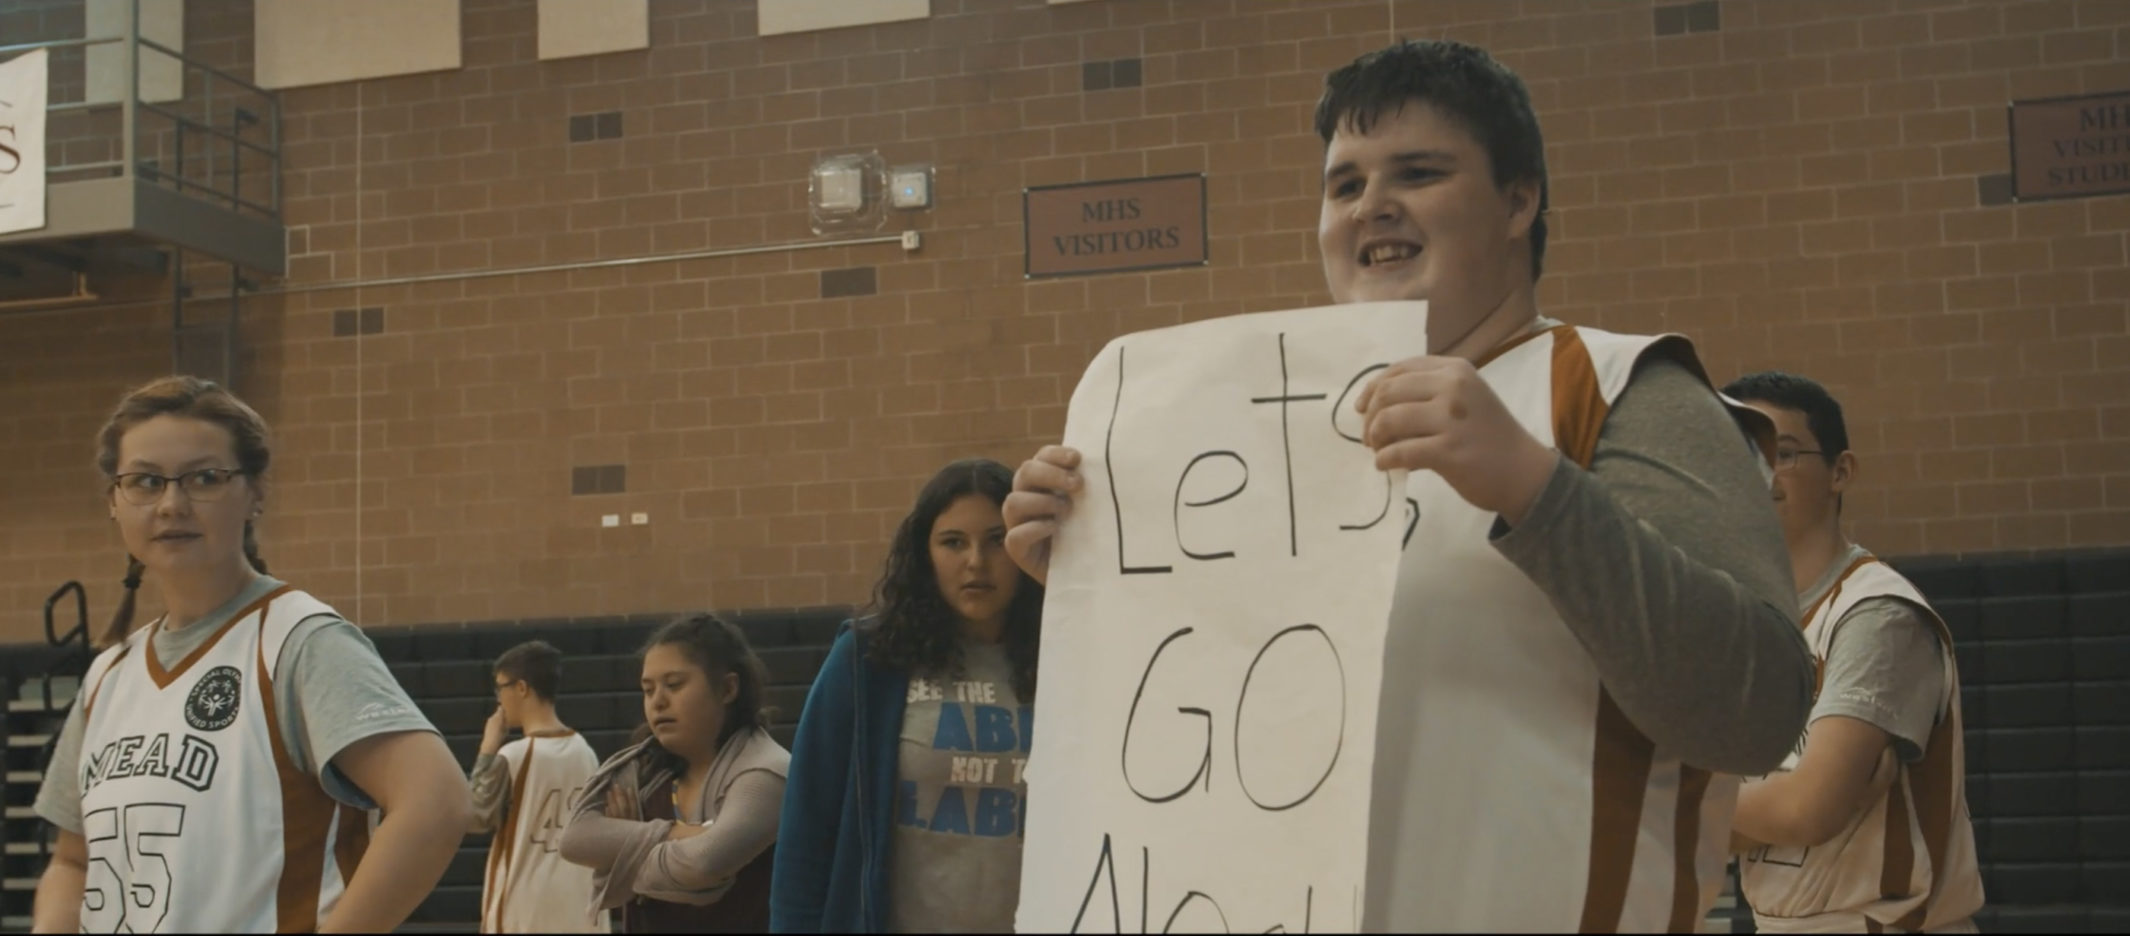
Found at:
(1795, 183)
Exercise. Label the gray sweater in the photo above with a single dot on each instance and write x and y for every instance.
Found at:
(1666, 560)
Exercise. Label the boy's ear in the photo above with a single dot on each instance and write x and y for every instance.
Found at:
(1524, 199)
(1843, 472)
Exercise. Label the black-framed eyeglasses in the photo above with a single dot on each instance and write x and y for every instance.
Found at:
(1787, 458)
(142, 488)
(503, 687)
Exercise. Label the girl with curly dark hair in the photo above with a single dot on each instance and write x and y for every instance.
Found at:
(904, 806)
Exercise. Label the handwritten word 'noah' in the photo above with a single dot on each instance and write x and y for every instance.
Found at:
(1195, 912)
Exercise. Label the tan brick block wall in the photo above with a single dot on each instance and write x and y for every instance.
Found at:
(1796, 189)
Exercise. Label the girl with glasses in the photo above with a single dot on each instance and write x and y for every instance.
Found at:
(216, 771)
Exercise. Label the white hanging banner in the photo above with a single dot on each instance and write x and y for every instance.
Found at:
(1213, 631)
(23, 84)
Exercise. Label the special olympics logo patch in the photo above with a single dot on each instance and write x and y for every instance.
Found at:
(213, 703)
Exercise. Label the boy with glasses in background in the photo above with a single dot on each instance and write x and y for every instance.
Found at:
(522, 792)
(1865, 825)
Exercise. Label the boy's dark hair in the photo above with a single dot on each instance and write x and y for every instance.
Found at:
(1823, 413)
(1465, 85)
(536, 663)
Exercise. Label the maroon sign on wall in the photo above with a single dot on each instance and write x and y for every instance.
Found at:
(1114, 226)
(2071, 147)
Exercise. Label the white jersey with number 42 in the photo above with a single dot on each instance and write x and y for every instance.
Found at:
(529, 888)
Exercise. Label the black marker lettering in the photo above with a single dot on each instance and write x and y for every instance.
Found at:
(1205, 765)
(1340, 407)
(1106, 866)
(1176, 507)
(1109, 464)
(1105, 863)
(1170, 926)
(1146, 872)
(1308, 909)
(1294, 547)
(1242, 776)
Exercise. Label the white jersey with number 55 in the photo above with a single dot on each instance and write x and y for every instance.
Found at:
(196, 818)
(529, 888)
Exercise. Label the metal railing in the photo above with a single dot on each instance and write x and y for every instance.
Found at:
(228, 143)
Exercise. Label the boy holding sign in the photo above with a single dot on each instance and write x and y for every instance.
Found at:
(1593, 611)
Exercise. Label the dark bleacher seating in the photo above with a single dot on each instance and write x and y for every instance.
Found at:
(2044, 655)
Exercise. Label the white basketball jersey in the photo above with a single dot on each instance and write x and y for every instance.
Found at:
(196, 818)
(1908, 862)
(529, 888)
(1511, 793)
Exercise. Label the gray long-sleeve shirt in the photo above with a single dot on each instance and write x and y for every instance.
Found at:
(676, 870)
(490, 782)
(1667, 562)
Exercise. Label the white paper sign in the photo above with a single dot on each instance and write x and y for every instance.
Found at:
(1213, 631)
(22, 101)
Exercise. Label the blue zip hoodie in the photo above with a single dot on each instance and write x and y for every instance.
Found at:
(839, 798)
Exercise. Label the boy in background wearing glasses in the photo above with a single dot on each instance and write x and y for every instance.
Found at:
(521, 792)
(1865, 825)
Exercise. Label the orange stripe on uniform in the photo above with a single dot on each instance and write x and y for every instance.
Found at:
(1621, 754)
(1510, 345)
(306, 818)
(88, 702)
(1806, 619)
(1937, 801)
(505, 843)
(1619, 775)
(1899, 862)
(1927, 783)
(1686, 847)
(1579, 407)
(1819, 663)
(163, 678)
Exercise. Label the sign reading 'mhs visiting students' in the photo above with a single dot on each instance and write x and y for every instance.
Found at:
(2071, 147)
(1109, 227)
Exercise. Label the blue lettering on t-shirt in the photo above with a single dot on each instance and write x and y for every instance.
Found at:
(953, 731)
(952, 816)
(997, 812)
(994, 730)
